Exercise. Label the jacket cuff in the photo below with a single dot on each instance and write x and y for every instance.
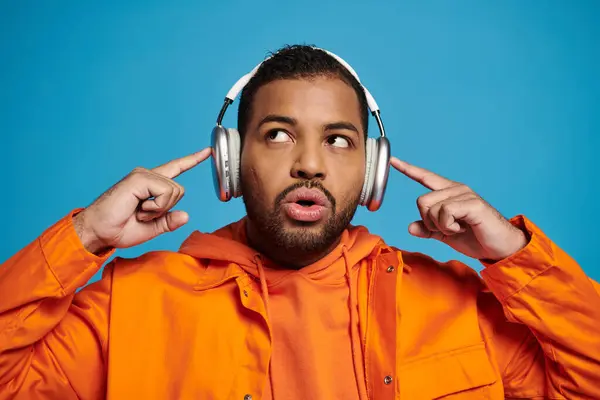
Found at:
(71, 264)
(508, 276)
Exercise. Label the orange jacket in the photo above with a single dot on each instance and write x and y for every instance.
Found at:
(192, 324)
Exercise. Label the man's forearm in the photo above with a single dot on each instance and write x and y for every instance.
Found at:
(545, 289)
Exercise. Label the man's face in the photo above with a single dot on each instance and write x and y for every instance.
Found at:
(303, 162)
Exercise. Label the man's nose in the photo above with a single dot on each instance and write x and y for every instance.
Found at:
(309, 162)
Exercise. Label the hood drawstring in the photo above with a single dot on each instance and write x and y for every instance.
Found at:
(354, 339)
(264, 291)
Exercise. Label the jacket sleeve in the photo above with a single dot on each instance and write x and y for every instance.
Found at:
(547, 331)
(53, 340)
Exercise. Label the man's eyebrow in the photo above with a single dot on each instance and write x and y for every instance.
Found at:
(278, 118)
(341, 125)
(292, 121)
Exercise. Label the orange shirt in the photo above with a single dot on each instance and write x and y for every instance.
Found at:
(310, 322)
(313, 355)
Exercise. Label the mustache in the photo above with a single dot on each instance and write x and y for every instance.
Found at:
(309, 185)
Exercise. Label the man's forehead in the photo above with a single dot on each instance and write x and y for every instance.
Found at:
(302, 84)
(317, 95)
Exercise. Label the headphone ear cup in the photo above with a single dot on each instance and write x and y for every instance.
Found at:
(220, 163)
(233, 142)
(380, 171)
(371, 156)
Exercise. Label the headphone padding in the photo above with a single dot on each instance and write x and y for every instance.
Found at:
(371, 157)
(380, 170)
(233, 141)
(220, 163)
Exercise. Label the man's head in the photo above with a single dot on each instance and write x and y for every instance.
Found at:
(303, 122)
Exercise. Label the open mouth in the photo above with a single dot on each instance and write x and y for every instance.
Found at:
(307, 198)
(305, 203)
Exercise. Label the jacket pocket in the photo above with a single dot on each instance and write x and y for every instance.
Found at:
(465, 373)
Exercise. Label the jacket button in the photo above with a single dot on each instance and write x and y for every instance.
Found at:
(387, 380)
(248, 397)
(390, 268)
(246, 294)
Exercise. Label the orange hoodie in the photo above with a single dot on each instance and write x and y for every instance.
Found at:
(202, 323)
(313, 324)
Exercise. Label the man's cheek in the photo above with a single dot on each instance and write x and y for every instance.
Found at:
(254, 177)
(261, 186)
(249, 178)
(351, 196)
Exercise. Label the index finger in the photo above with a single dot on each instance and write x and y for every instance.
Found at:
(426, 178)
(178, 166)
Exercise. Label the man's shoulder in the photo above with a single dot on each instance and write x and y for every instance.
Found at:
(439, 275)
(155, 266)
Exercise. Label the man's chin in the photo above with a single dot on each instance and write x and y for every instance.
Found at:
(298, 239)
(291, 226)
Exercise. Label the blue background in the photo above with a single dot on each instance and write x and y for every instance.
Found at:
(503, 96)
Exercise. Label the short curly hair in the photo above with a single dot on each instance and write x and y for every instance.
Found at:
(293, 62)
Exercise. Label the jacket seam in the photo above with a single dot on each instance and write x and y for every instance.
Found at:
(523, 286)
(104, 341)
(445, 354)
(370, 306)
(12, 326)
(550, 347)
(536, 397)
(58, 364)
(558, 385)
(62, 288)
(514, 355)
(17, 321)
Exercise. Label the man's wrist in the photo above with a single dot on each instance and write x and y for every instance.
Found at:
(521, 239)
(89, 241)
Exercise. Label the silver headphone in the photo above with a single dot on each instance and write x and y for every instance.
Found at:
(226, 150)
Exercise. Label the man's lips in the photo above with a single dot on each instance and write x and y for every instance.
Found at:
(306, 205)
(306, 195)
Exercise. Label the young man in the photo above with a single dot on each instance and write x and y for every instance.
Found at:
(292, 302)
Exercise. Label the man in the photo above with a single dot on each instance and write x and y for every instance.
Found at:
(292, 302)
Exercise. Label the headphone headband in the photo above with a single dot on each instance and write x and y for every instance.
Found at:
(243, 81)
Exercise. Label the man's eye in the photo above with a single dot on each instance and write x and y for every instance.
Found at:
(338, 141)
(278, 136)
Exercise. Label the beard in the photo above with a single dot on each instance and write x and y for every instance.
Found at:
(269, 221)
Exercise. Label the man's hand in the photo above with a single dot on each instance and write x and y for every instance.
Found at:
(136, 209)
(457, 216)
